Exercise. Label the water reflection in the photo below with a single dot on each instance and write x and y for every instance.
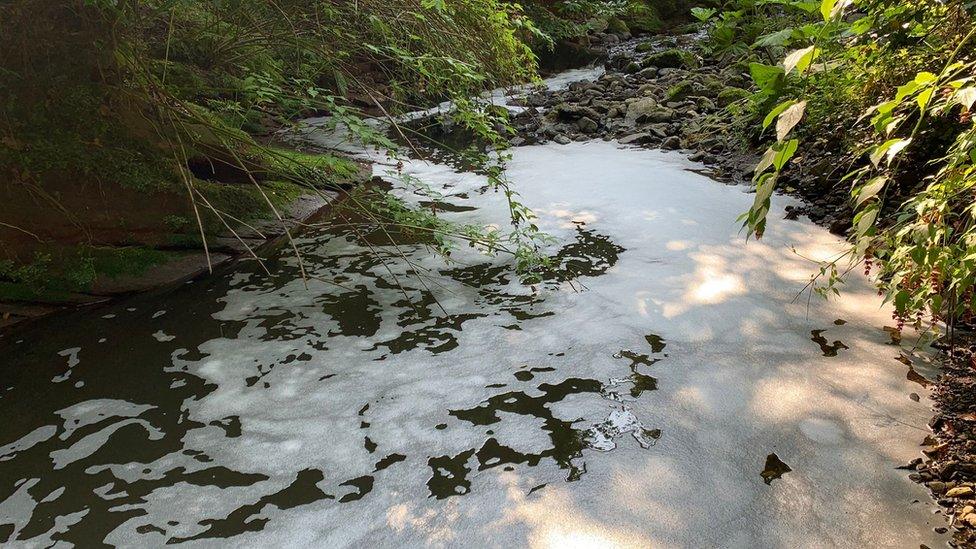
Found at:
(150, 417)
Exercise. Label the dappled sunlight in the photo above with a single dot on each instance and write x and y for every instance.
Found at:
(713, 282)
(555, 521)
(566, 217)
(678, 245)
(436, 525)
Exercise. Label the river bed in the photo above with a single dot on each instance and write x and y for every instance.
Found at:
(634, 399)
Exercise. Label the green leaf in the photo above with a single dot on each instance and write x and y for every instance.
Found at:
(906, 89)
(776, 112)
(784, 152)
(925, 78)
(765, 162)
(923, 98)
(862, 25)
(864, 220)
(901, 300)
(831, 9)
(778, 38)
(799, 59)
(768, 78)
(703, 14)
(826, 7)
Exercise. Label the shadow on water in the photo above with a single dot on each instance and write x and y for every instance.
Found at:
(99, 413)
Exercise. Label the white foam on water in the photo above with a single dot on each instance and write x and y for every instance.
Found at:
(738, 379)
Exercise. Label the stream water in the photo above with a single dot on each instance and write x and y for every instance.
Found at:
(662, 388)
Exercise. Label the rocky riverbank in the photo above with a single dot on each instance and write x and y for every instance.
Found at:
(948, 463)
(659, 92)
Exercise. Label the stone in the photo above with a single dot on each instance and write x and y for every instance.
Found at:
(937, 486)
(672, 143)
(635, 138)
(647, 73)
(661, 130)
(960, 492)
(567, 111)
(671, 59)
(587, 125)
(644, 47)
(562, 139)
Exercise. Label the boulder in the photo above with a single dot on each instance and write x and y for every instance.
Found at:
(587, 125)
(671, 59)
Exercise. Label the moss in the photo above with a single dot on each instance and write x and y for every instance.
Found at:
(56, 273)
(642, 17)
(118, 262)
(246, 202)
(681, 90)
(18, 291)
(673, 58)
(319, 170)
(732, 95)
(617, 26)
(644, 47)
(185, 241)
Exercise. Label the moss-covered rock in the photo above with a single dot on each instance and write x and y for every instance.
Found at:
(642, 17)
(644, 47)
(671, 59)
(681, 90)
(732, 95)
(617, 26)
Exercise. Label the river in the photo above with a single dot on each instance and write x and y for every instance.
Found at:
(634, 399)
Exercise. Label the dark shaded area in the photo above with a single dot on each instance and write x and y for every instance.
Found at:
(774, 469)
(827, 348)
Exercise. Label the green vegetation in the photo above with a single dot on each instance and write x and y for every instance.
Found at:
(557, 20)
(146, 123)
(902, 75)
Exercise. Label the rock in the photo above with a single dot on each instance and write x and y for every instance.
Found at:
(647, 73)
(568, 111)
(537, 99)
(635, 138)
(681, 90)
(672, 143)
(960, 492)
(937, 486)
(648, 90)
(187, 266)
(644, 47)
(587, 125)
(661, 130)
(641, 107)
(648, 110)
(562, 139)
(671, 59)
(839, 227)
